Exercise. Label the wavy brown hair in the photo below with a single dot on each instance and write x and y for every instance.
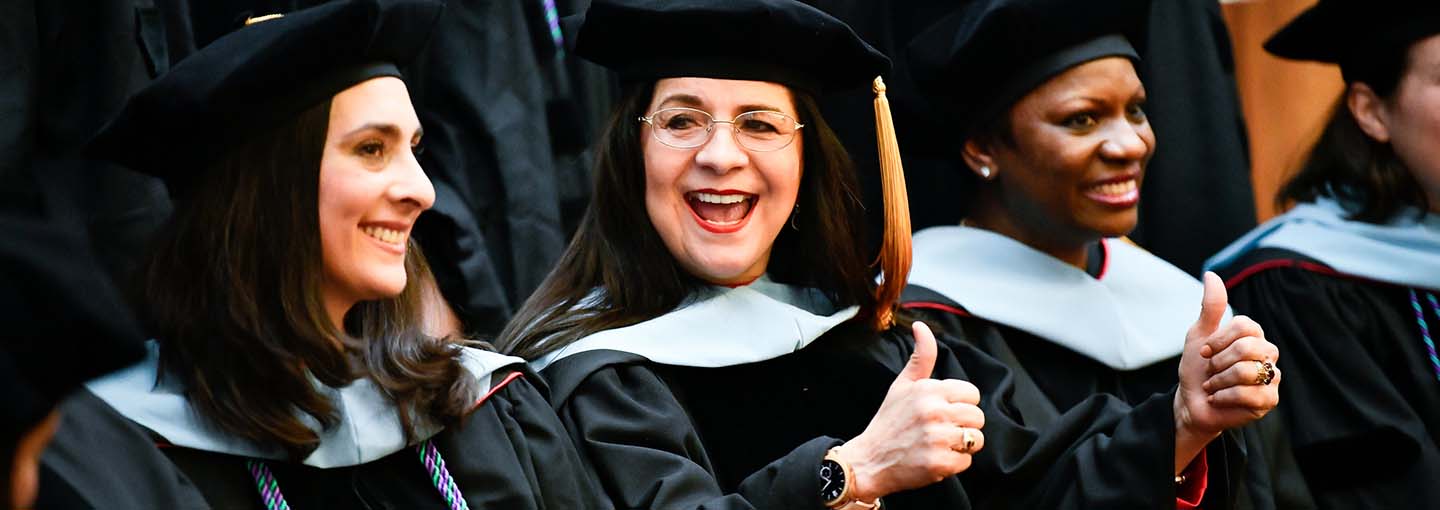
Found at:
(1363, 174)
(617, 272)
(232, 291)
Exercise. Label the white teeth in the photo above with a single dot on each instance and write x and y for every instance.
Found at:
(1116, 188)
(711, 198)
(385, 234)
(722, 223)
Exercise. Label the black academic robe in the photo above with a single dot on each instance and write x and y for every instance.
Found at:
(510, 453)
(66, 68)
(1361, 399)
(1051, 379)
(99, 459)
(752, 435)
(1197, 196)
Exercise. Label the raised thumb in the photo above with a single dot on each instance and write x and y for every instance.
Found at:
(922, 361)
(1212, 304)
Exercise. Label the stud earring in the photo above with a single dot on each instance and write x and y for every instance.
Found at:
(985, 171)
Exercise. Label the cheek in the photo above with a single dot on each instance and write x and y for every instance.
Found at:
(1415, 135)
(663, 202)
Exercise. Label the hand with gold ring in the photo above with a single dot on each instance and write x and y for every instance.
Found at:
(925, 430)
(1228, 376)
(970, 440)
(1264, 372)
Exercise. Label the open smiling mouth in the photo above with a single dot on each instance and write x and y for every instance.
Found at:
(721, 211)
(1123, 192)
(390, 239)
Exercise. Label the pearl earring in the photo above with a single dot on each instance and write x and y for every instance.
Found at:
(985, 172)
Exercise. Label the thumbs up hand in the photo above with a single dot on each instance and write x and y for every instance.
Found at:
(1228, 376)
(925, 430)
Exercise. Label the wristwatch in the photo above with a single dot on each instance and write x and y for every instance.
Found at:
(835, 488)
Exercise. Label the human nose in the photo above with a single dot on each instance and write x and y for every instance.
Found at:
(722, 152)
(1127, 141)
(411, 185)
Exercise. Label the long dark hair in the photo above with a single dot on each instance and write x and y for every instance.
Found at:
(1363, 174)
(233, 293)
(617, 272)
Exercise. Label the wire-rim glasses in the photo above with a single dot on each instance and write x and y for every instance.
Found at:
(688, 128)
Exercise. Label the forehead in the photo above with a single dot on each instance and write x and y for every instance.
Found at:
(1102, 78)
(377, 100)
(722, 96)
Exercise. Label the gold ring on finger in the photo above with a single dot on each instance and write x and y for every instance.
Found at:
(1264, 373)
(967, 440)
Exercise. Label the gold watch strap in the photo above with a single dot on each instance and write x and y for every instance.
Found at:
(846, 501)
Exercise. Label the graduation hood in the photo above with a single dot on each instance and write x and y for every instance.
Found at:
(368, 429)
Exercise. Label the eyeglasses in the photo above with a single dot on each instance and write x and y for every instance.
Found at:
(688, 128)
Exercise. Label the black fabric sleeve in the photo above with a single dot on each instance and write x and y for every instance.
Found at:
(99, 459)
(1357, 390)
(513, 453)
(1101, 453)
(639, 439)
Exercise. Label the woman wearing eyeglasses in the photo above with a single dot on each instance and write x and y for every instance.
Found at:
(714, 336)
(1056, 141)
(721, 246)
(1348, 280)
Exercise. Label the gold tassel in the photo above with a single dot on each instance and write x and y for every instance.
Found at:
(259, 19)
(895, 254)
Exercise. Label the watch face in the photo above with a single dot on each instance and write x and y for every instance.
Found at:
(832, 480)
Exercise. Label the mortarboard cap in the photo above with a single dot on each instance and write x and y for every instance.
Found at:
(780, 41)
(980, 60)
(257, 77)
(1351, 32)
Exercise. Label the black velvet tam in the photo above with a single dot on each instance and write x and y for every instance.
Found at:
(781, 41)
(1356, 34)
(257, 77)
(976, 62)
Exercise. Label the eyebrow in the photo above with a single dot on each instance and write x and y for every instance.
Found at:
(386, 129)
(684, 99)
(695, 102)
(758, 107)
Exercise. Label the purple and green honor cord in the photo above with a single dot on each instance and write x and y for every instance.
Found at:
(1425, 326)
(429, 456)
(552, 19)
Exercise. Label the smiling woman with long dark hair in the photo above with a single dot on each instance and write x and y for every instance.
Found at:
(715, 336)
(293, 363)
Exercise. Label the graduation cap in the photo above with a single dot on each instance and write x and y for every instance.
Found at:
(978, 61)
(779, 41)
(64, 323)
(258, 77)
(1351, 32)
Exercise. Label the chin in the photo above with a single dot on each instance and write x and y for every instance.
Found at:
(716, 271)
(387, 286)
(1119, 226)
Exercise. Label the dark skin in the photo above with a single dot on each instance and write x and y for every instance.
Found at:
(1071, 172)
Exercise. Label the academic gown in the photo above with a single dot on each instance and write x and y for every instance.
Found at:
(1361, 397)
(1069, 335)
(510, 452)
(671, 413)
